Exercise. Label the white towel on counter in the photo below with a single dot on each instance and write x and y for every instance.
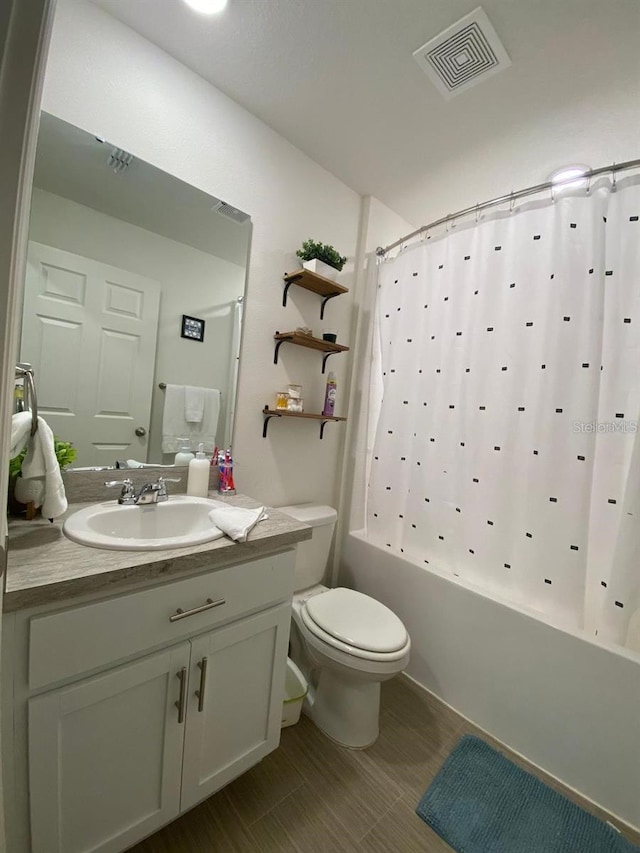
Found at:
(175, 424)
(236, 521)
(40, 461)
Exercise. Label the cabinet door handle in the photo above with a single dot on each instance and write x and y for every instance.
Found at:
(203, 682)
(180, 704)
(182, 614)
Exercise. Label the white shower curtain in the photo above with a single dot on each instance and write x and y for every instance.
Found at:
(506, 449)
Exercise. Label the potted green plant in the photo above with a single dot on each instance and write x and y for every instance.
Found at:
(321, 258)
(22, 491)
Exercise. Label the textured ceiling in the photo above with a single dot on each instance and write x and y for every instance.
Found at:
(337, 77)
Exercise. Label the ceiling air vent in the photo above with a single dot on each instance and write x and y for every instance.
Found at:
(230, 212)
(465, 54)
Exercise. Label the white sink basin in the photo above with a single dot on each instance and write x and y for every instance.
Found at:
(177, 523)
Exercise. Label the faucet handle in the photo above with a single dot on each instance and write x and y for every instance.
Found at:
(128, 494)
(126, 484)
(162, 484)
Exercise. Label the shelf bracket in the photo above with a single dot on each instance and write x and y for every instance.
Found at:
(277, 349)
(322, 426)
(286, 290)
(265, 425)
(324, 302)
(325, 357)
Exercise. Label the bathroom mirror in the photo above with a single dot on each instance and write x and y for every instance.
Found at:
(135, 281)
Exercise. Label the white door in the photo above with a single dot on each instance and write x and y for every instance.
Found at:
(89, 330)
(240, 671)
(105, 756)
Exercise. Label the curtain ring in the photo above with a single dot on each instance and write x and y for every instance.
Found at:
(447, 224)
(477, 213)
(512, 202)
(613, 180)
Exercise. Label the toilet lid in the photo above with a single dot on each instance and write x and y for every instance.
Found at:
(357, 620)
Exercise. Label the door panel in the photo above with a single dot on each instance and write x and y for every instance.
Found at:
(101, 323)
(105, 757)
(240, 719)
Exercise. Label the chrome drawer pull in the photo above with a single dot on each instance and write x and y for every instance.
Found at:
(182, 614)
(182, 675)
(202, 665)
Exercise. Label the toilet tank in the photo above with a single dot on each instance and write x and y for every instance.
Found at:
(313, 554)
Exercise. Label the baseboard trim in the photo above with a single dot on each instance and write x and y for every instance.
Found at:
(630, 832)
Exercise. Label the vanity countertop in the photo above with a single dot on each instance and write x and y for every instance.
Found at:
(44, 566)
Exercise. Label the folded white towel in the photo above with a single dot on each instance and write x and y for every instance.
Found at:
(194, 404)
(176, 426)
(40, 461)
(236, 521)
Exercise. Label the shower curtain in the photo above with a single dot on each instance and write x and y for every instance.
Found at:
(506, 448)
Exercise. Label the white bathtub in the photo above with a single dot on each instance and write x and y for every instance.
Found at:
(565, 702)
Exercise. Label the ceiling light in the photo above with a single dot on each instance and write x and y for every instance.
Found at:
(569, 176)
(206, 7)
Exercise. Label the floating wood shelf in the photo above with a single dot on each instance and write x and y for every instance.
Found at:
(308, 341)
(284, 413)
(315, 283)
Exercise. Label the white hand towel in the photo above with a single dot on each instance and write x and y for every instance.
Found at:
(20, 429)
(41, 461)
(176, 426)
(236, 521)
(194, 404)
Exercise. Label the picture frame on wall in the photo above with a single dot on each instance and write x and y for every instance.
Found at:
(192, 328)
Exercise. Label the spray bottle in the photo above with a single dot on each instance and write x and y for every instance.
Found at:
(330, 395)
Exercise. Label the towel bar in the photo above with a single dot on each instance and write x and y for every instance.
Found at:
(25, 371)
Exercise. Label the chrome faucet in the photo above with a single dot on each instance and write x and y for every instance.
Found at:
(150, 493)
(155, 493)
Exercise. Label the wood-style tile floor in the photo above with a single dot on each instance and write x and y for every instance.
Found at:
(312, 796)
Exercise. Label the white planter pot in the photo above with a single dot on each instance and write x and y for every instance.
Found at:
(30, 490)
(321, 268)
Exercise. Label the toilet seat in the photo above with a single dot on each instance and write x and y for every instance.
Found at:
(356, 624)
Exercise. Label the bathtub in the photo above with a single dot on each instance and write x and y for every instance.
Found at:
(567, 703)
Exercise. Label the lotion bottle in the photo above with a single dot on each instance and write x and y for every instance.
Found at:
(198, 476)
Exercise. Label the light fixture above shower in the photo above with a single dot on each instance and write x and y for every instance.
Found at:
(569, 176)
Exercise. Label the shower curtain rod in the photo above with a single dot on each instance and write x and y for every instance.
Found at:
(512, 196)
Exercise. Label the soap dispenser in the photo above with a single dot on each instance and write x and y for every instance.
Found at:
(198, 476)
(184, 454)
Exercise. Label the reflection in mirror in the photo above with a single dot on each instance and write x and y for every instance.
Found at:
(119, 254)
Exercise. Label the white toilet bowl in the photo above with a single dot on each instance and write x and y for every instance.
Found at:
(347, 643)
(344, 642)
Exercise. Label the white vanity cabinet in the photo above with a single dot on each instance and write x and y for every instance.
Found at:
(131, 709)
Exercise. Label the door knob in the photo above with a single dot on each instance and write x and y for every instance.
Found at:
(140, 431)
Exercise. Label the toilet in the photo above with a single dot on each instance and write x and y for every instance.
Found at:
(346, 643)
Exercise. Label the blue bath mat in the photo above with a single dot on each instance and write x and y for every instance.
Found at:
(480, 802)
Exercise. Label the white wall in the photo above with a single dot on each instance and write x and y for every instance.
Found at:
(105, 78)
(192, 282)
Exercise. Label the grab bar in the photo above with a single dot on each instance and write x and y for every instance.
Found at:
(25, 371)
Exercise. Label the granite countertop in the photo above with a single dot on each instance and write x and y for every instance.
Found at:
(44, 566)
